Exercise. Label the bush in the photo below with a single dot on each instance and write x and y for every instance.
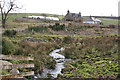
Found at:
(41, 29)
(26, 48)
(19, 51)
(68, 40)
(7, 46)
(112, 26)
(10, 33)
(70, 24)
(57, 27)
(71, 52)
(57, 24)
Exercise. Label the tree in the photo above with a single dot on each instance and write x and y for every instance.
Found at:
(5, 7)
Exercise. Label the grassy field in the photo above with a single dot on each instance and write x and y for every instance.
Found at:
(106, 21)
(109, 21)
(92, 58)
(13, 16)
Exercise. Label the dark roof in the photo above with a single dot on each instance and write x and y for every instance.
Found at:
(75, 15)
(93, 19)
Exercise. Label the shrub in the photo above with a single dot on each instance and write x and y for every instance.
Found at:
(57, 27)
(40, 51)
(57, 24)
(68, 53)
(71, 52)
(70, 24)
(67, 39)
(112, 26)
(26, 48)
(19, 51)
(7, 46)
(10, 33)
(41, 29)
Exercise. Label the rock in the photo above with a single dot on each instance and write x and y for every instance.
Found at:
(14, 71)
(5, 62)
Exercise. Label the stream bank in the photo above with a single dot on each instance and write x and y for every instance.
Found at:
(60, 60)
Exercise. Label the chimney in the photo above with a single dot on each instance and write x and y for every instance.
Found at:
(90, 16)
(68, 12)
(80, 13)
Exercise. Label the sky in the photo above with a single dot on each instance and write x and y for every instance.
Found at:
(86, 7)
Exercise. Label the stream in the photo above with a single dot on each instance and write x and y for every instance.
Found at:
(60, 59)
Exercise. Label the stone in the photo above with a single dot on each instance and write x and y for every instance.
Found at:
(14, 71)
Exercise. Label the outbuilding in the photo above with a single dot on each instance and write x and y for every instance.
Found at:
(43, 18)
(92, 20)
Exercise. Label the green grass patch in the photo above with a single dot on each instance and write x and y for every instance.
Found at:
(40, 29)
(21, 62)
(4, 72)
(13, 16)
(109, 21)
(93, 58)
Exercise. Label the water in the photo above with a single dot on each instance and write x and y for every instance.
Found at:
(60, 59)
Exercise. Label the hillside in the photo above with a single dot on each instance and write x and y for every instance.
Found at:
(13, 16)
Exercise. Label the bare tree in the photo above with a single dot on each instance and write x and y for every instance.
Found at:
(5, 7)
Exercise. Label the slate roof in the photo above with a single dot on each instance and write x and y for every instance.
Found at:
(93, 19)
(75, 15)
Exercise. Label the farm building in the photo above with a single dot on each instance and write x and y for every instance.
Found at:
(43, 18)
(76, 17)
(92, 20)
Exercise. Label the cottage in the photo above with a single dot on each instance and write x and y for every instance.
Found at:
(92, 20)
(75, 17)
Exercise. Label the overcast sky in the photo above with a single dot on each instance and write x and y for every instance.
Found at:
(86, 7)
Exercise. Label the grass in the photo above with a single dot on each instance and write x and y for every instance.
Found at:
(15, 25)
(83, 49)
(106, 21)
(92, 58)
(56, 41)
(109, 21)
(18, 37)
(12, 16)
(21, 62)
(39, 29)
(4, 72)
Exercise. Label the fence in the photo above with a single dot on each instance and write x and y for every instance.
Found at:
(13, 67)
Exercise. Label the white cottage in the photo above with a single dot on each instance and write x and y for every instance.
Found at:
(92, 20)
